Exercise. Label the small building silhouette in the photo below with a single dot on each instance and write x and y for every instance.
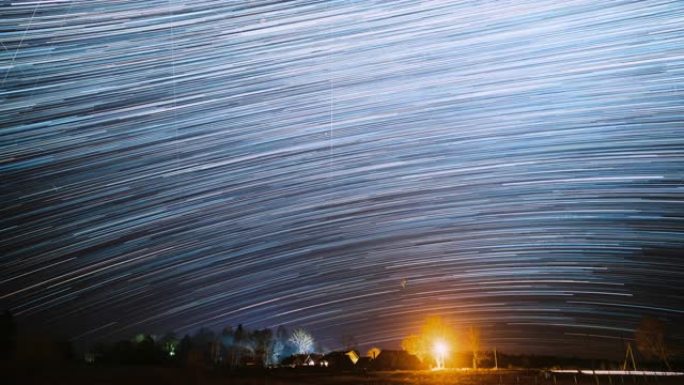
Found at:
(395, 360)
(342, 360)
(304, 360)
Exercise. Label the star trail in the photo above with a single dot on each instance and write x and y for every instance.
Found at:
(344, 166)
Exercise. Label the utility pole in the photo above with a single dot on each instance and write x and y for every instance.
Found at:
(496, 361)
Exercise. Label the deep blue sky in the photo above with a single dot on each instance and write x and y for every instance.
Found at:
(349, 167)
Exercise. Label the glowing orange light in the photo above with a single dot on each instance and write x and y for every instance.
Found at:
(440, 349)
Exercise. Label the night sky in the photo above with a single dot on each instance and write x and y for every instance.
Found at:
(349, 167)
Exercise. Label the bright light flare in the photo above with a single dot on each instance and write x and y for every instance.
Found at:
(440, 349)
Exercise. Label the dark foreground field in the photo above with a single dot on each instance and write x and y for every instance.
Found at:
(177, 376)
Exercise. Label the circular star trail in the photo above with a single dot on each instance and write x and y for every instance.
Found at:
(347, 167)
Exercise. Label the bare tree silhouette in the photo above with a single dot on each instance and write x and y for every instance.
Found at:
(650, 339)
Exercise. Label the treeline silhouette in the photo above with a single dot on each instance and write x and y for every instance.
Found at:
(32, 349)
(260, 348)
(231, 347)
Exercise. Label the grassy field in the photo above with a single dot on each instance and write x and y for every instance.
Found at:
(177, 376)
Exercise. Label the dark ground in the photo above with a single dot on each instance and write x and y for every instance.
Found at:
(175, 376)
